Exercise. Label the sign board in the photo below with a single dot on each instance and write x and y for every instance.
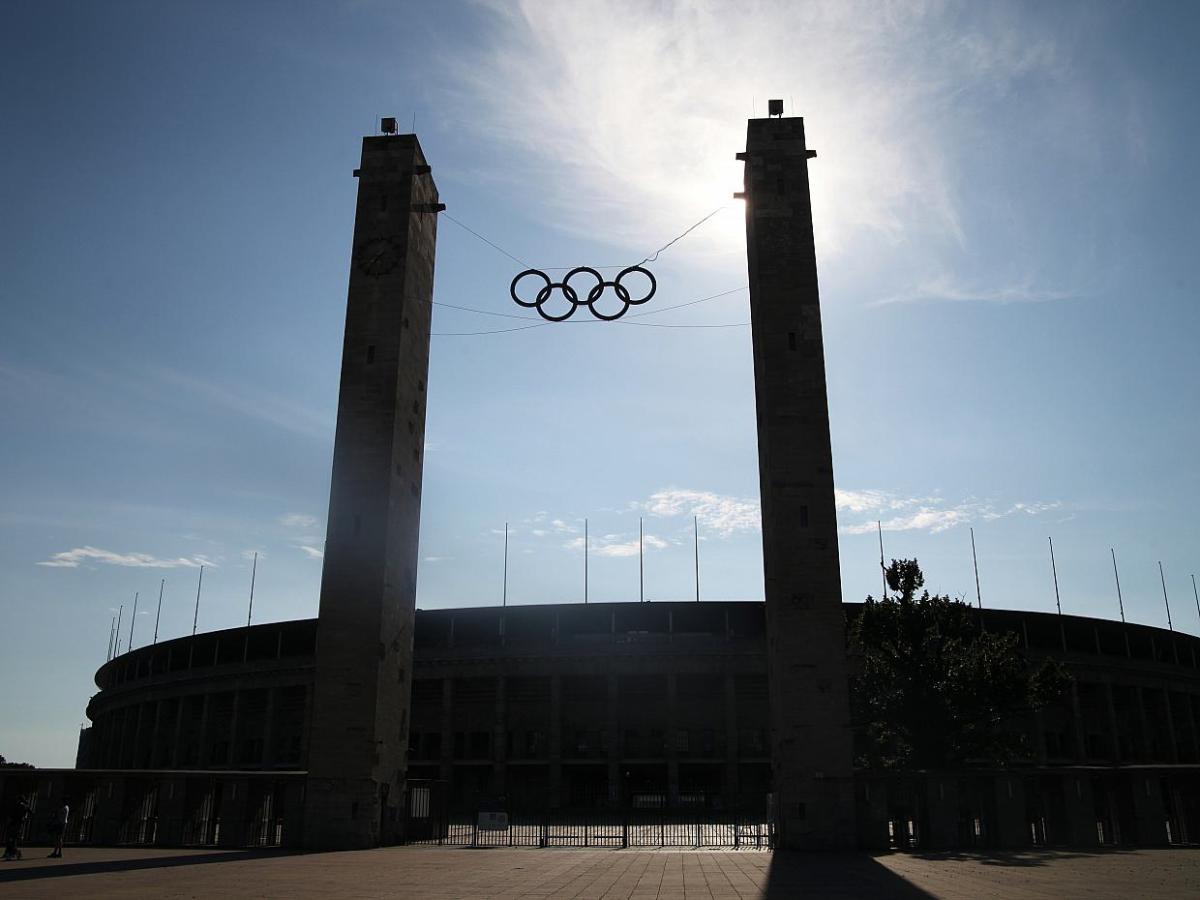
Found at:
(493, 821)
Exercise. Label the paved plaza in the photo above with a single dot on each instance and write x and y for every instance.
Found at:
(442, 873)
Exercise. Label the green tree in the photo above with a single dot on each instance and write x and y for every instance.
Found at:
(935, 690)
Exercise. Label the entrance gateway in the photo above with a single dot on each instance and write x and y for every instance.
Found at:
(358, 743)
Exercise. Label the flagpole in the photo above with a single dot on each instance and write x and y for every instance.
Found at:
(132, 621)
(253, 573)
(696, 543)
(158, 615)
(978, 594)
(117, 645)
(1057, 599)
(1120, 599)
(641, 566)
(882, 564)
(196, 614)
(1167, 602)
(585, 562)
(504, 589)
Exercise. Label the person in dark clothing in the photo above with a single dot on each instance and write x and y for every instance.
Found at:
(16, 821)
(58, 827)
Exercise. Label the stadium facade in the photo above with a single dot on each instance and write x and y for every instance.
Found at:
(613, 706)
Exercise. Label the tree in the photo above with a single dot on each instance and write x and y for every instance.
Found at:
(934, 689)
(5, 764)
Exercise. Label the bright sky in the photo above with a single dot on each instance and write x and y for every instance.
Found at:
(1006, 206)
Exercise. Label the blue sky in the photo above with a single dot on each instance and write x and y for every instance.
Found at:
(1005, 208)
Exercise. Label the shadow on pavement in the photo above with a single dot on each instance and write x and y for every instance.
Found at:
(60, 868)
(795, 875)
(1019, 858)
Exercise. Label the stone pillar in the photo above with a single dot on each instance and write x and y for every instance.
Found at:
(500, 740)
(1010, 812)
(358, 745)
(155, 732)
(232, 757)
(1172, 744)
(732, 792)
(672, 741)
(1147, 750)
(446, 764)
(1148, 808)
(1077, 725)
(616, 780)
(1113, 724)
(1080, 810)
(811, 745)
(555, 792)
(177, 739)
(268, 733)
(202, 758)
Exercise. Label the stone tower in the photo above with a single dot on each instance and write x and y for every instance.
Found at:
(359, 731)
(811, 745)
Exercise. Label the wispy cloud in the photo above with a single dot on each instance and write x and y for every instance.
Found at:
(72, 559)
(298, 520)
(617, 545)
(719, 513)
(930, 514)
(592, 94)
(946, 290)
(312, 552)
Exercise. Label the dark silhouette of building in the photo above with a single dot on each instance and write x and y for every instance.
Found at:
(592, 707)
(304, 733)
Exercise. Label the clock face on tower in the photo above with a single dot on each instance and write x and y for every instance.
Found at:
(376, 257)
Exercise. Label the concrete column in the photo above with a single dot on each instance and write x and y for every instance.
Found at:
(612, 720)
(811, 745)
(1080, 810)
(1081, 750)
(363, 661)
(268, 734)
(1010, 812)
(1191, 717)
(500, 739)
(1147, 753)
(1172, 745)
(1113, 728)
(202, 758)
(134, 761)
(672, 741)
(1148, 808)
(555, 792)
(232, 755)
(177, 740)
(446, 764)
(305, 727)
(731, 740)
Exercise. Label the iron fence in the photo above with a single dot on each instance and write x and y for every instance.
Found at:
(593, 828)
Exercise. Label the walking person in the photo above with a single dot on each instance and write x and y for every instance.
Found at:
(58, 828)
(16, 821)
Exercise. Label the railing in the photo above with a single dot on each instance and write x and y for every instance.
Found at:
(586, 828)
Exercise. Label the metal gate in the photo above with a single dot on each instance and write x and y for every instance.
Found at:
(493, 824)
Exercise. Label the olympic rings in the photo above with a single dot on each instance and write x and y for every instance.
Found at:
(572, 294)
